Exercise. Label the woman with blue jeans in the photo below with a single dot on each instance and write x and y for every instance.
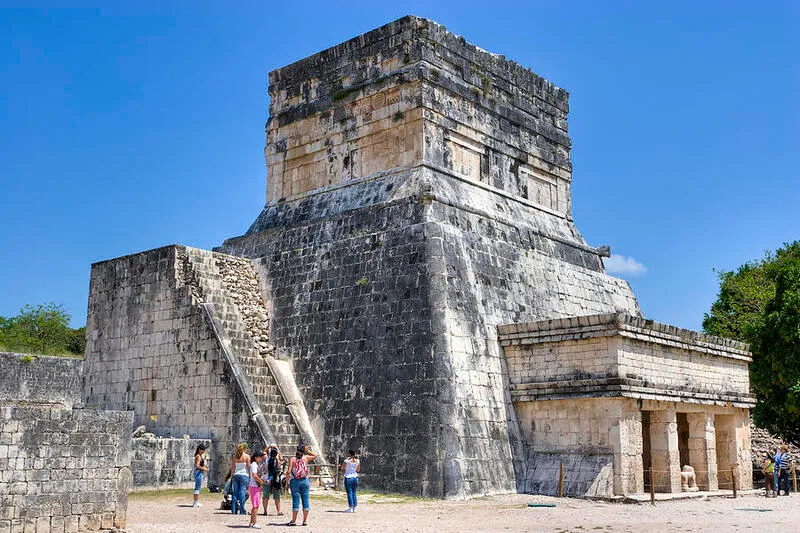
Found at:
(199, 468)
(298, 483)
(351, 467)
(240, 477)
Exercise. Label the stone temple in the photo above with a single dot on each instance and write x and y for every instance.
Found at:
(416, 287)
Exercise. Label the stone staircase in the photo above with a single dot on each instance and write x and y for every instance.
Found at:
(231, 285)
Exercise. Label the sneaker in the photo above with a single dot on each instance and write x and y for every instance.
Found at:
(349, 510)
(255, 526)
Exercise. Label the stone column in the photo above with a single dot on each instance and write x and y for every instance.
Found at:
(743, 451)
(703, 449)
(664, 455)
(627, 445)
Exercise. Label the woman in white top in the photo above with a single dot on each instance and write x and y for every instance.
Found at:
(255, 488)
(351, 467)
(240, 476)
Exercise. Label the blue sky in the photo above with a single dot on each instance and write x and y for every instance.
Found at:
(126, 129)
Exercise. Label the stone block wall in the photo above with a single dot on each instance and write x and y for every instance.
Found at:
(61, 468)
(150, 350)
(365, 106)
(405, 268)
(344, 113)
(349, 307)
(581, 387)
(584, 435)
(41, 379)
(165, 462)
(586, 355)
(676, 367)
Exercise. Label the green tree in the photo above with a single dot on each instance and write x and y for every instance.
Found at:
(759, 303)
(42, 329)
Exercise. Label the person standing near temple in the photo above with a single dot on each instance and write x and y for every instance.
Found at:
(197, 472)
(785, 465)
(240, 476)
(254, 488)
(351, 467)
(297, 482)
(768, 468)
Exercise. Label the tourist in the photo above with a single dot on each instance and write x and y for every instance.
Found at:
(240, 468)
(255, 488)
(197, 473)
(298, 482)
(274, 479)
(351, 467)
(768, 468)
(777, 462)
(785, 465)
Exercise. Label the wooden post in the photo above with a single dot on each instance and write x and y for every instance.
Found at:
(734, 480)
(336, 473)
(561, 480)
(794, 478)
(652, 488)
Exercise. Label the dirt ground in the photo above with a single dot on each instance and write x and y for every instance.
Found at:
(171, 511)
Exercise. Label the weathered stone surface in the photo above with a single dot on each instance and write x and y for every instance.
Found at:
(150, 350)
(37, 378)
(616, 354)
(59, 465)
(418, 196)
(583, 385)
(163, 462)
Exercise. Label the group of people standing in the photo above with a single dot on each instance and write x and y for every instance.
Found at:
(776, 472)
(266, 474)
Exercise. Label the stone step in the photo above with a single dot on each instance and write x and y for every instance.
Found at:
(270, 399)
(274, 418)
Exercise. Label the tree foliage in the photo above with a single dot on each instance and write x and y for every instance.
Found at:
(759, 303)
(42, 329)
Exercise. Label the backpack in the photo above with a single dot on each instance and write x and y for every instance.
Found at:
(300, 469)
(272, 467)
(274, 472)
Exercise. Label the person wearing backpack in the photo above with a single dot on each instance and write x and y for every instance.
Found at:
(768, 468)
(274, 478)
(298, 482)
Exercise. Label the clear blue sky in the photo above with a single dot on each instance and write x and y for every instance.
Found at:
(122, 130)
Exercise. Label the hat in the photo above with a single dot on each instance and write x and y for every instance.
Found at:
(259, 453)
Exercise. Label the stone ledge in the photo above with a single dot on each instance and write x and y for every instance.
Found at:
(624, 325)
(622, 387)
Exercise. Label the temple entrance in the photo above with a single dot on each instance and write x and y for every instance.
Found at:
(683, 439)
(646, 460)
(725, 429)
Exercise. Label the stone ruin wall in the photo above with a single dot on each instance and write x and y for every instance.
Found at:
(405, 272)
(63, 468)
(159, 463)
(580, 387)
(150, 350)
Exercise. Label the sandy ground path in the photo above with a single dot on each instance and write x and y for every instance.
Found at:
(172, 512)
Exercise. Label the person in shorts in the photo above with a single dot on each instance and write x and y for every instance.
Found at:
(254, 488)
(297, 481)
(273, 474)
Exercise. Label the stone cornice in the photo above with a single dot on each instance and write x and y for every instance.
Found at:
(622, 325)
